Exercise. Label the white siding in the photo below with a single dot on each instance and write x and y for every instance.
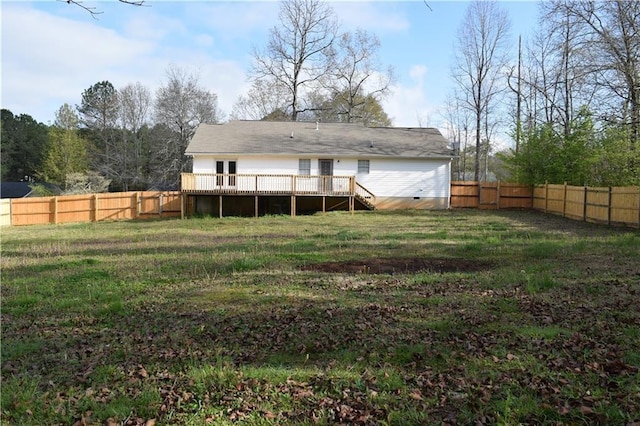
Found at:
(204, 164)
(402, 178)
(270, 166)
(273, 165)
(407, 178)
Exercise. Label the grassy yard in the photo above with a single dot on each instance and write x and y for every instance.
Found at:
(392, 318)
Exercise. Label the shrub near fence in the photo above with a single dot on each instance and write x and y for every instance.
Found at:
(95, 207)
(610, 205)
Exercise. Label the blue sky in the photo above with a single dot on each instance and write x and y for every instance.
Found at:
(52, 51)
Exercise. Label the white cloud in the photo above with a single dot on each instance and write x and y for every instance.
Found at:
(375, 16)
(58, 58)
(233, 20)
(204, 40)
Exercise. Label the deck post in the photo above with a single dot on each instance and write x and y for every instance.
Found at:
(293, 206)
(219, 206)
(324, 204)
(256, 206)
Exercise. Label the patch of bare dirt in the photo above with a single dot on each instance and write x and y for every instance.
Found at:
(401, 265)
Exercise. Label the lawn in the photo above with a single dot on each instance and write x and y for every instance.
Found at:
(392, 318)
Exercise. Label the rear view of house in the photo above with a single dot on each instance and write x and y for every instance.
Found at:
(265, 167)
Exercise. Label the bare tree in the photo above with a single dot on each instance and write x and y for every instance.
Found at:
(181, 105)
(612, 29)
(481, 56)
(265, 98)
(135, 103)
(358, 76)
(458, 122)
(518, 92)
(296, 55)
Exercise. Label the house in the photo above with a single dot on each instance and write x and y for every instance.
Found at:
(258, 167)
(23, 188)
(15, 189)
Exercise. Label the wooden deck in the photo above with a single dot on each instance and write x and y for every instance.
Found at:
(270, 185)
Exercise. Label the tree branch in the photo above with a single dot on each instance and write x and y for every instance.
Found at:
(94, 12)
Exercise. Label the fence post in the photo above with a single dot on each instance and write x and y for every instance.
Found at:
(584, 204)
(138, 203)
(160, 204)
(498, 195)
(546, 197)
(564, 200)
(55, 210)
(609, 208)
(638, 207)
(95, 207)
(533, 197)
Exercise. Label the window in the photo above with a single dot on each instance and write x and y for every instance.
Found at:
(363, 166)
(304, 167)
(219, 172)
(232, 173)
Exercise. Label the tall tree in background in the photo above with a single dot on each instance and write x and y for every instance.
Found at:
(565, 66)
(582, 84)
(299, 49)
(459, 119)
(613, 30)
(99, 119)
(67, 150)
(366, 109)
(181, 104)
(357, 76)
(24, 142)
(265, 100)
(134, 103)
(479, 61)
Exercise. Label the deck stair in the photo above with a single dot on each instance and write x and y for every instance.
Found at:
(366, 197)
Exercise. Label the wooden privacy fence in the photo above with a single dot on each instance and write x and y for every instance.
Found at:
(95, 207)
(490, 195)
(5, 212)
(610, 205)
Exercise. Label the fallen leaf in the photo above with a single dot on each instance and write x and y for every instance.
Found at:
(416, 395)
(586, 410)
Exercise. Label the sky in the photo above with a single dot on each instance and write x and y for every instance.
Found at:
(52, 51)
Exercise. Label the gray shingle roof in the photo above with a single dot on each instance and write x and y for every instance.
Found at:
(311, 139)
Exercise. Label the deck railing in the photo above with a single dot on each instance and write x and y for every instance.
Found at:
(267, 184)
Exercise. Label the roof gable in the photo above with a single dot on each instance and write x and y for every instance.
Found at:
(317, 139)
